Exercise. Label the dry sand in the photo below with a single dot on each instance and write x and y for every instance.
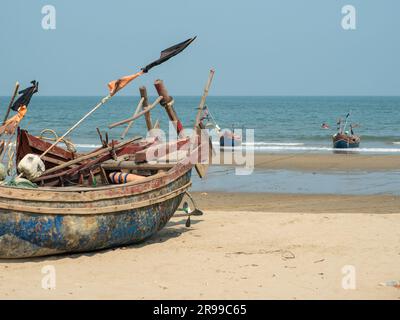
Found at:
(229, 255)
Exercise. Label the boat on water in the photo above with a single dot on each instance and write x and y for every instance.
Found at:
(227, 138)
(230, 139)
(344, 139)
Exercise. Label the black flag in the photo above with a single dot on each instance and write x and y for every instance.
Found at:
(169, 53)
(26, 96)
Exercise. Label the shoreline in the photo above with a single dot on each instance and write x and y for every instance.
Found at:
(315, 162)
(297, 203)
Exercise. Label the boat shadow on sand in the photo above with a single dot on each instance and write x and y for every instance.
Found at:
(174, 229)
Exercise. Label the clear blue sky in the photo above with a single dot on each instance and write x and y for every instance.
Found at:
(275, 47)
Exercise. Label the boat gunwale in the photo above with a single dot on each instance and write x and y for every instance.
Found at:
(87, 195)
(97, 210)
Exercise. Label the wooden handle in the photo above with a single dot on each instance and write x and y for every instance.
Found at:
(162, 91)
(147, 116)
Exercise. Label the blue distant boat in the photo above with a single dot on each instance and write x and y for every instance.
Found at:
(227, 138)
(230, 139)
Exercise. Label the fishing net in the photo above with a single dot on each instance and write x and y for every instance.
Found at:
(20, 183)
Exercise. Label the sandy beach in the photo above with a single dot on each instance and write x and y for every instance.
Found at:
(229, 255)
(246, 246)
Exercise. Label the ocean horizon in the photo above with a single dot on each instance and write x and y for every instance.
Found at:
(280, 123)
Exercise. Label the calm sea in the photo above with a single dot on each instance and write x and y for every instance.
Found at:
(280, 124)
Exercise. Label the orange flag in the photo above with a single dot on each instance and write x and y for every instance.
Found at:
(12, 123)
(117, 85)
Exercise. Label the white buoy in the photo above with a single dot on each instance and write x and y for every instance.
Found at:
(31, 166)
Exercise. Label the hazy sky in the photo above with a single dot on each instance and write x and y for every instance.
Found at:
(275, 47)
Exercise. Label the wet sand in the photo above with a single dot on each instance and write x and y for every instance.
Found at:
(298, 203)
(229, 255)
(321, 162)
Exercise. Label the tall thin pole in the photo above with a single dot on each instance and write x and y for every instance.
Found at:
(11, 102)
(203, 98)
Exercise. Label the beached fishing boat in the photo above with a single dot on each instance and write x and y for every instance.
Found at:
(46, 220)
(81, 217)
(344, 139)
(119, 194)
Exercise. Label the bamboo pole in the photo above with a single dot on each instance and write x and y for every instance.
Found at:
(116, 124)
(147, 116)
(139, 106)
(202, 169)
(11, 102)
(203, 98)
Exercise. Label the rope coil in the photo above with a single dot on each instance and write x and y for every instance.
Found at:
(68, 143)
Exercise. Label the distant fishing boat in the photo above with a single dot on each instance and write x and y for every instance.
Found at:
(230, 139)
(344, 139)
(227, 138)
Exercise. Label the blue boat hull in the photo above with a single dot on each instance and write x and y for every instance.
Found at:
(25, 234)
(342, 144)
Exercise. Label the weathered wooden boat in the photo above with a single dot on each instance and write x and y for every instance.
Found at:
(344, 141)
(53, 220)
(81, 216)
(46, 221)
